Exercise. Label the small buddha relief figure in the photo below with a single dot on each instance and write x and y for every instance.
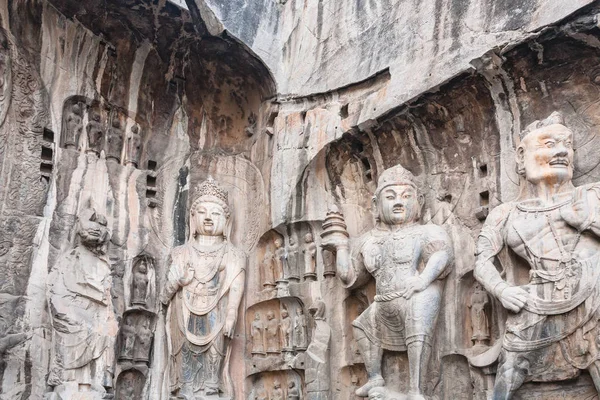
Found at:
(293, 393)
(114, 141)
(286, 330)
(257, 333)
(280, 261)
(73, 126)
(292, 260)
(277, 392)
(133, 147)
(95, 133)
(300, 330)
(127, 339)
(310, 254)
(140, 282)
(272, 333)
(143, 343)
(268, 270)
(479, 321)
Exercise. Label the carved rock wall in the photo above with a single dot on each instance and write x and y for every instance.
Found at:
(129, 106)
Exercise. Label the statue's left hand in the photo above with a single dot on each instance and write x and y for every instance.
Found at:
(413, 285)
(229, 326)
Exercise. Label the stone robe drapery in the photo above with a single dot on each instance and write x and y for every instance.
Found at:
(83, 318)
(197, 313)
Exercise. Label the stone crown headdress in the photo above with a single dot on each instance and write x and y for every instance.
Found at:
(553, 119)
(397, 175)
(209, 190)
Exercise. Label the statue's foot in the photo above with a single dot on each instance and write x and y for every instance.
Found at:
(376, 381)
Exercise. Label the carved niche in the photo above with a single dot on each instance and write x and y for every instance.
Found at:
(142, 283)
(136, 336)
(277, 330)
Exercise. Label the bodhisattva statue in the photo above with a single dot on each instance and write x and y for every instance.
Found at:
(408, 261)
(204, 289)
(552, 324)
(82, 314)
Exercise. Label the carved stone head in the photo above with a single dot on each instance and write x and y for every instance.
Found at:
(270, 315)
(546, 151)
(397, 200)
(76, 109)
(308, 238)
(257, 316)
(276, 384)
(278, 243)
(92, 230)
(210, 211)
(284, 313)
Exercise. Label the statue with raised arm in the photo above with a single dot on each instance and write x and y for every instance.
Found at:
(204, 289)
(408, 261)
(552, 324)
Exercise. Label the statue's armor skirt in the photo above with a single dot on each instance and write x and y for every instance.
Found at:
(391, 324)
(557, 346)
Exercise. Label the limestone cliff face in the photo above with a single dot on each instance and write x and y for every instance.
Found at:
(294, 107)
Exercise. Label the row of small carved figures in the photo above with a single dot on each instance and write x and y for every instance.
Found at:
(276, 393)
(98, 137)
(284, 263)
(136, 339)
(274, 335)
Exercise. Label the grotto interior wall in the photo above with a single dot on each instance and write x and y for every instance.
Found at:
(172, 104)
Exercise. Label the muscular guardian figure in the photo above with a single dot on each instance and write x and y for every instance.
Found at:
(408, 261)
(552, 324)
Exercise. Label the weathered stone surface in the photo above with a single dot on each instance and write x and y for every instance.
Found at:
(299, 109)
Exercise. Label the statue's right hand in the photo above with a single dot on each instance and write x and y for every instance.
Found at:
(513, 298)
(334, 242)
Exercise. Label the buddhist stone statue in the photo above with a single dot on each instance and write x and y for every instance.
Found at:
(552, 325)
(300, 330)
(257, 333)
(280, 261)
(272, 333)
(95, 133)
(293, 393)
(82, 313)
(140, 282)
(114, 141)
(204, 289)
(479, 321)
(408, 261)
(310, 254)
(143, 342)
(73, 126)
(268, 270)
(292, 260)
(127, 339)
(286, 330)
(277, 392)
